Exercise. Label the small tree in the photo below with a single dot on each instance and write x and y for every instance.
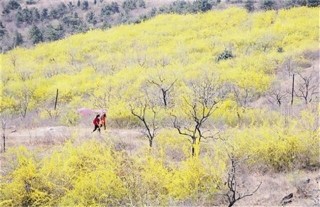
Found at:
(249, 5)
(226, 54)
(233, 195)
(12, 5)
(3, 30)
(44, 14)
(53, 32)
(35, 14)
(128, 5)
(102, 95)
(35, 34)
(198, 107)
(267, 4)
(110, 9)
(313, 3)
(91, 18)
(85, 5)
(18, 39)
(308, 86)
(141, 3)
(243, 96)
(27, 15)
(276, 95)
(165, 87)
(201, 5)
(146, 112)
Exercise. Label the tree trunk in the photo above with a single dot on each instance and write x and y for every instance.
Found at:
(239, 117)
(150, 143)
(164, 98)
(193, 148)
(307, 94)
(231, 203)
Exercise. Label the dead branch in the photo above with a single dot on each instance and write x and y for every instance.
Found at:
(308, 87)
(233, 195)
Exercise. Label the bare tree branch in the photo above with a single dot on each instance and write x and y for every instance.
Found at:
(199, 107)
(164, 88)
(308, 86)
(149, 125)
(233, 195)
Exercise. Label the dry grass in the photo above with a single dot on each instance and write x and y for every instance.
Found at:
(276, 186)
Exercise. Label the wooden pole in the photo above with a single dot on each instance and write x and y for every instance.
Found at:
(55, 103)
(292, 91)
(4, 141)
(4, 135)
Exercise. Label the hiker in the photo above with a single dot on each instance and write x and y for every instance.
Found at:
(96, 123)
(103, 121)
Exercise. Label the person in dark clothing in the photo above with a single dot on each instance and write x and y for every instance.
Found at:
(96, 123)
(103, 121)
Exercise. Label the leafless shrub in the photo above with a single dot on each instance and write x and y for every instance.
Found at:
(164, 88)
(140, 110)
(308, 86)
(277, 95)
(233, 195)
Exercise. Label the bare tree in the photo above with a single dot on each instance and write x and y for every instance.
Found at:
(102, 98)
(25, 97)
(308, 87)
(146, 112)
(165, 87)
(140, 55)
(199, 107)
(276, 95)
(164, 61)
(243, 96)
(6, 119)
(233, 195)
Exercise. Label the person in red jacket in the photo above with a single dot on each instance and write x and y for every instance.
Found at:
(96, 123)
(103, 121)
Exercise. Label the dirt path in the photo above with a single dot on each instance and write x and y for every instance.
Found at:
(50, 136)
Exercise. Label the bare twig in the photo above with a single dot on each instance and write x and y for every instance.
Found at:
(233, 195)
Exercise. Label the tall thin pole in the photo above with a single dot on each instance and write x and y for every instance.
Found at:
(292, 91)
(55, 103)
(4, 135)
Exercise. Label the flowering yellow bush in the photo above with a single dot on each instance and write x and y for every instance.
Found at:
(100, 63)
(277, 146)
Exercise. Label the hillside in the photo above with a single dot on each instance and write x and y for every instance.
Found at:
(200, 107)
(91, 69)
(25, 23)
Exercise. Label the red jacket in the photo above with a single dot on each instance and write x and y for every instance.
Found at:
(96, 121)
